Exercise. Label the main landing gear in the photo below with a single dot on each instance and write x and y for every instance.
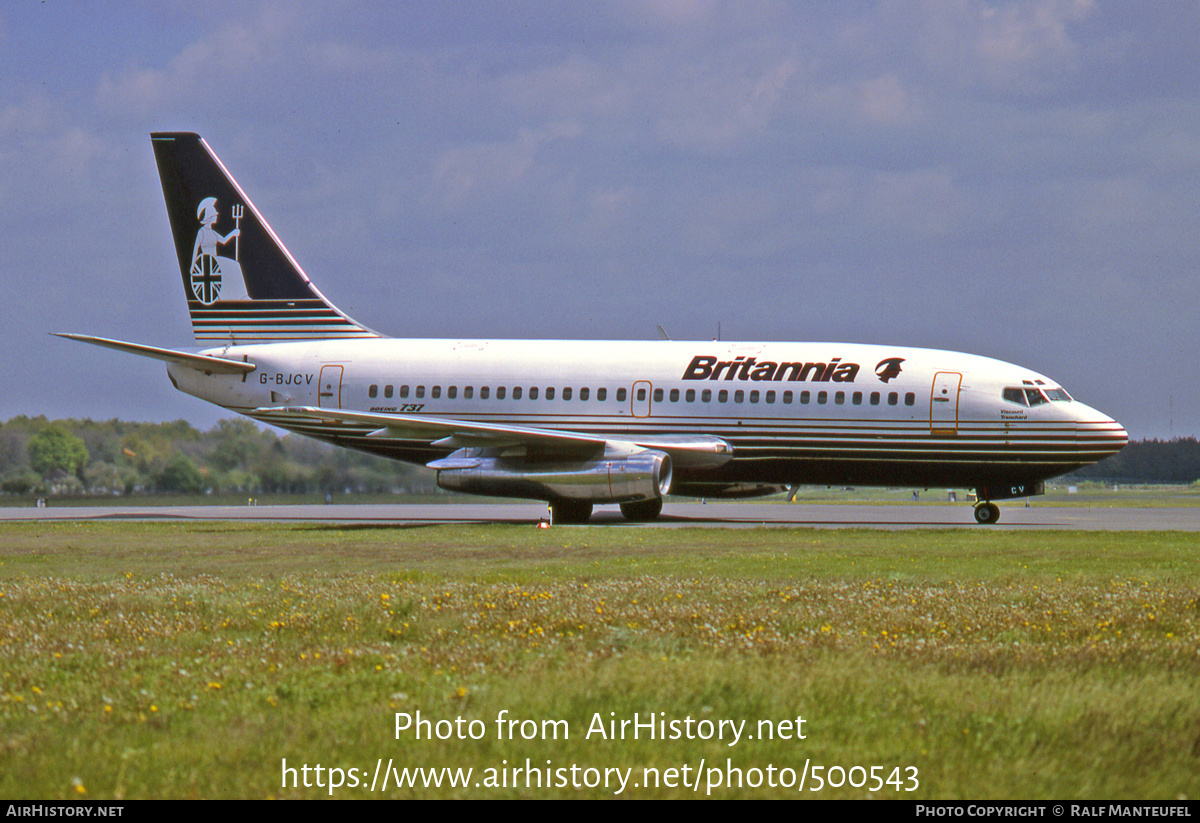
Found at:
(986, 513)
(642, 511)
(575, 512)
(570, 512)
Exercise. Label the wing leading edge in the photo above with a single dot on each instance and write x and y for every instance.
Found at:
(691, 451)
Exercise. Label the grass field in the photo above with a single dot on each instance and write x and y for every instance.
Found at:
(190, 660)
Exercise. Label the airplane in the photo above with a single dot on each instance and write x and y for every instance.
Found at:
(579, 423)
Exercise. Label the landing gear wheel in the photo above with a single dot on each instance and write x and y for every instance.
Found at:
(987, 513)
(570, 511)
(642, 511)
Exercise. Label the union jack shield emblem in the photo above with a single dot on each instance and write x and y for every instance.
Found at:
(206, 279)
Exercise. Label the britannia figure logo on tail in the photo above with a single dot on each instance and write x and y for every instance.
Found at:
(215, 277)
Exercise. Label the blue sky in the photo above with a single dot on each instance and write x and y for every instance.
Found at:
(1014, 179)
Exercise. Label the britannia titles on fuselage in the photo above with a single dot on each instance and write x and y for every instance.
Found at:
(704, 367)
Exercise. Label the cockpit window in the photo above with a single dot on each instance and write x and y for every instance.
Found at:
(1015, 396)
(1035, 397)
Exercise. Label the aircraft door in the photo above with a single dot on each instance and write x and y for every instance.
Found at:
(640, 399)
(943, 405)
(329, 387)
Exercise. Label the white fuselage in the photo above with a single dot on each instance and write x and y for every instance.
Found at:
(793, 412)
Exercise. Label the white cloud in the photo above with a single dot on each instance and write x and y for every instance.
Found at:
(715, 108)
(1028, 33)
(578, 85)
(468, 173)
(884, 100)
(1015, 48)
(232, 61)
(925, 202)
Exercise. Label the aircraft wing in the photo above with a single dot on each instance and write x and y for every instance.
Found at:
(691, 451)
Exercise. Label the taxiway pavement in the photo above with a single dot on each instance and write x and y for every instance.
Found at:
(675, 515)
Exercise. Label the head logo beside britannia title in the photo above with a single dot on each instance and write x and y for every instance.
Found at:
(888, 368)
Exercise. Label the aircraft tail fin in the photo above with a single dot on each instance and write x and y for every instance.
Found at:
(241, 283)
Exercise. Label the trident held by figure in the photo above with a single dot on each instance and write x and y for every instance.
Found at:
(237, 212)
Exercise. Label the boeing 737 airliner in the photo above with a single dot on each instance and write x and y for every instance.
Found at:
(579, 423)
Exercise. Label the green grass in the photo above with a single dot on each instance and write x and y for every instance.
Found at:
(188, 660)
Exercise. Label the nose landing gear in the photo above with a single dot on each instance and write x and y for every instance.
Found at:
(986, 513)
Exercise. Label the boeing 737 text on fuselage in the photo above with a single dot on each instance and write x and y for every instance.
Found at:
(583, 423)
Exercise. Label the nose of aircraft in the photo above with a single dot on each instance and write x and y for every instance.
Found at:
(1097, 434)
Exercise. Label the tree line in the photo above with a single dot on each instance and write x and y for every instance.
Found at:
(1149, 461)
(115, 457)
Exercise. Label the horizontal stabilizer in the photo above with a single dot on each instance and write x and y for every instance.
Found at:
(203, 362)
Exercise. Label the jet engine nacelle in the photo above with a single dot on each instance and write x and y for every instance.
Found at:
(643, 475)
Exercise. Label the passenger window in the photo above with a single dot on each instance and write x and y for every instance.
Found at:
(468, 392)
(706, 396)
(550, 393)
(374, 390)
(420, 392)
(533, 392)
(602, 394)
(690, 396)
(770, 397)
(804, 397)
(874, 398)
(658, 395)
(435, 392)
(584, 393)
(857, 399)
(567, 393)
(893, 398)
(723, 396)
(787, 397)
(404, 390)
(452, 392)
(754, 396)
(483, 392)
(739, 396)
(516, 392)
(840, 398)
(641, 394)
(621, 395)
(822, 397)
(910, 399)
(500, 392)
(674, 395)
(387, 391)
